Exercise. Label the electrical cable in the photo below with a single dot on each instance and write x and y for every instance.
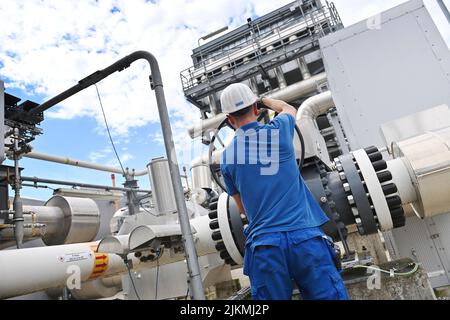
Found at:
(149, 212)
(131, 278)
(109, 131)
(414, 270)
(224, 123)
(124, 174)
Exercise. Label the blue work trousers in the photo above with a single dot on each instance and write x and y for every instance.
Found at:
(273, 260)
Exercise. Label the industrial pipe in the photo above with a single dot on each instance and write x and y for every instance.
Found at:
(79, 163)
(288, 94)
(62, 220)
(81, 185)
(299, 89)
(426, 159)
(306, 120)
(156, 84)
(35, 269)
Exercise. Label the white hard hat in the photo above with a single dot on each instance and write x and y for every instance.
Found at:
(236, 97)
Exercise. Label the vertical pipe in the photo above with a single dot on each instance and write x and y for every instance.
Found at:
(280, 77)
(444, 9)
(17, 205)
(302, 65)
(188, 238)
(213, 104)
(116, 203)
(131, 185)
(254, 85)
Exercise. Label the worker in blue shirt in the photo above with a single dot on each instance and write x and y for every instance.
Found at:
(284, 241)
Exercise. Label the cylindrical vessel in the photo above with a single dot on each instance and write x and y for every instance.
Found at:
(427, 158)
(201, 174)
(80, 222)
(162, 190)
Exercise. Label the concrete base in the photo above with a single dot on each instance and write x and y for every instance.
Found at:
(372, 244)
(369, 285)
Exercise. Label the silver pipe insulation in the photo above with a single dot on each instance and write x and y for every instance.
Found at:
(42, 268)
(80, 163)
(306, 120)
(299, 89)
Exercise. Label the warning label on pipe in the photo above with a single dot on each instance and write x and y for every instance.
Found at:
(77, 256)
(100, 265)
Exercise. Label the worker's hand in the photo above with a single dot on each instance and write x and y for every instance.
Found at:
(244, 218)
(260, 104)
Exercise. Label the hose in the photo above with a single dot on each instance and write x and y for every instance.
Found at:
(401, 274)
(225, 122)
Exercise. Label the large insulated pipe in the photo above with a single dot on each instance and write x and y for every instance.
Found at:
(306, 120)
(30, 270)
(62, 220)
(288, 94)
(426, 159)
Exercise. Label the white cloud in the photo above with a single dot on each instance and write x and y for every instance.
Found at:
(95, 156)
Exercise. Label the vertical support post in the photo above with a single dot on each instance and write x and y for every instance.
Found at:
(303, 66)
(17, 204)
(444, 9)
(116, 202)
(131, 183)
(188, 238)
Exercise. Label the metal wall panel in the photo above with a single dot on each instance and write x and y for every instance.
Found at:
(419, 241)
(382, 72)
(378, 73)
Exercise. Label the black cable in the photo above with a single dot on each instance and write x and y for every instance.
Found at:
(302, 144)
(124, 174)
(211, 149)
(187, 293)
(131, 278)
(149, 212)
(109, 132)
(157, 275)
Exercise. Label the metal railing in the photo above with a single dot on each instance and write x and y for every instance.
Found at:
(314, 24)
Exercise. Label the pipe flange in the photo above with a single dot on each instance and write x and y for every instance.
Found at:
(357, 196)
(389, 189)
(227, 226)
(374, 189)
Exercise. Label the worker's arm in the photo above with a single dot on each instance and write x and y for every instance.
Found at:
(279, 106)
(237, 199)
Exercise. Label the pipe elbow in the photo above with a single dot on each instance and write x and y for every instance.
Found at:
(315, 106)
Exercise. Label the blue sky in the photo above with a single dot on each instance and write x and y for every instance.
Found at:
(46, 46)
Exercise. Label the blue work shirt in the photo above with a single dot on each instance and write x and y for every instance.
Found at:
(260, 165)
